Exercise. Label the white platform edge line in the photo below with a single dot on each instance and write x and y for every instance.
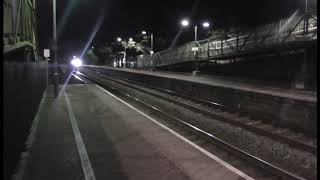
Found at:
(225, 164)
(85, 161)
(24, 157)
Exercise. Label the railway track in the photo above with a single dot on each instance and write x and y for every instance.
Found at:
(219, 113)
(228, 115)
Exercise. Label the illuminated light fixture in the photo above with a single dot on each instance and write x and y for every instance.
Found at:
(206, 24)
(76, 62)
(184, 22)
(118, 39)
(144, 32)
(130, 39)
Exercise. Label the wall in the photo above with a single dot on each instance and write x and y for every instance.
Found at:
(281, 71)
(23, 87)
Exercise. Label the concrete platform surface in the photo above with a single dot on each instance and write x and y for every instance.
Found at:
(236, 84)
(88, 133)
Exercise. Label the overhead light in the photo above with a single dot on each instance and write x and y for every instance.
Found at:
(144, 32)
(184, 22)
(205, 24)
(119, 39)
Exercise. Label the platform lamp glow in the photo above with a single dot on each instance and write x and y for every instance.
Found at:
(205, 24)
(184, 22)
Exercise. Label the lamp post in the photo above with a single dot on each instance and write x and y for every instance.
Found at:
(151, 40)
(125, 49)
(185, 23)
(306, 21)
(55, 49)
(306, 6)
(151, 37)
(196, 49)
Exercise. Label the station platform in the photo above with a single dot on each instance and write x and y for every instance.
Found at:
(232, 83)
(88, 133)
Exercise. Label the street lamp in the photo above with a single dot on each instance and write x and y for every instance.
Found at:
(125, 49)
(184, 22)
(56, 75)
(151, 40)
(205, 24)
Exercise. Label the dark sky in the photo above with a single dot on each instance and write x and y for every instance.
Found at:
(77, 18)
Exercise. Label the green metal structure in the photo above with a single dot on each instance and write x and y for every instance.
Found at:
(19, 30)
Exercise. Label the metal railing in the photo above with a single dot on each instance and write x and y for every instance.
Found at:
(280, 33)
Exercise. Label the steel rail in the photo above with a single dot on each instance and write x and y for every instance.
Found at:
(213, 139)
(217, 116)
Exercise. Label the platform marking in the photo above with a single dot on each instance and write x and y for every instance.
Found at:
(217, 159)
(85, 162)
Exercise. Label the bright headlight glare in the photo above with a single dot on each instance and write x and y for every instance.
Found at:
(76, 62)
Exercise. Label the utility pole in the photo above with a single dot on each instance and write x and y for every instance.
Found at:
(55, 75)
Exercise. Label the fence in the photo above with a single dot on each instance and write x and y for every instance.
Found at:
(295, 28)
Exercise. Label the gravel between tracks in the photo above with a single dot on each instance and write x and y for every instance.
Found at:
(282, 155)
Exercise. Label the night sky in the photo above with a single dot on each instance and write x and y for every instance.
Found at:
(77, 18)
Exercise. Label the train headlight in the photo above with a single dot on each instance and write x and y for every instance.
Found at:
(76, 62)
